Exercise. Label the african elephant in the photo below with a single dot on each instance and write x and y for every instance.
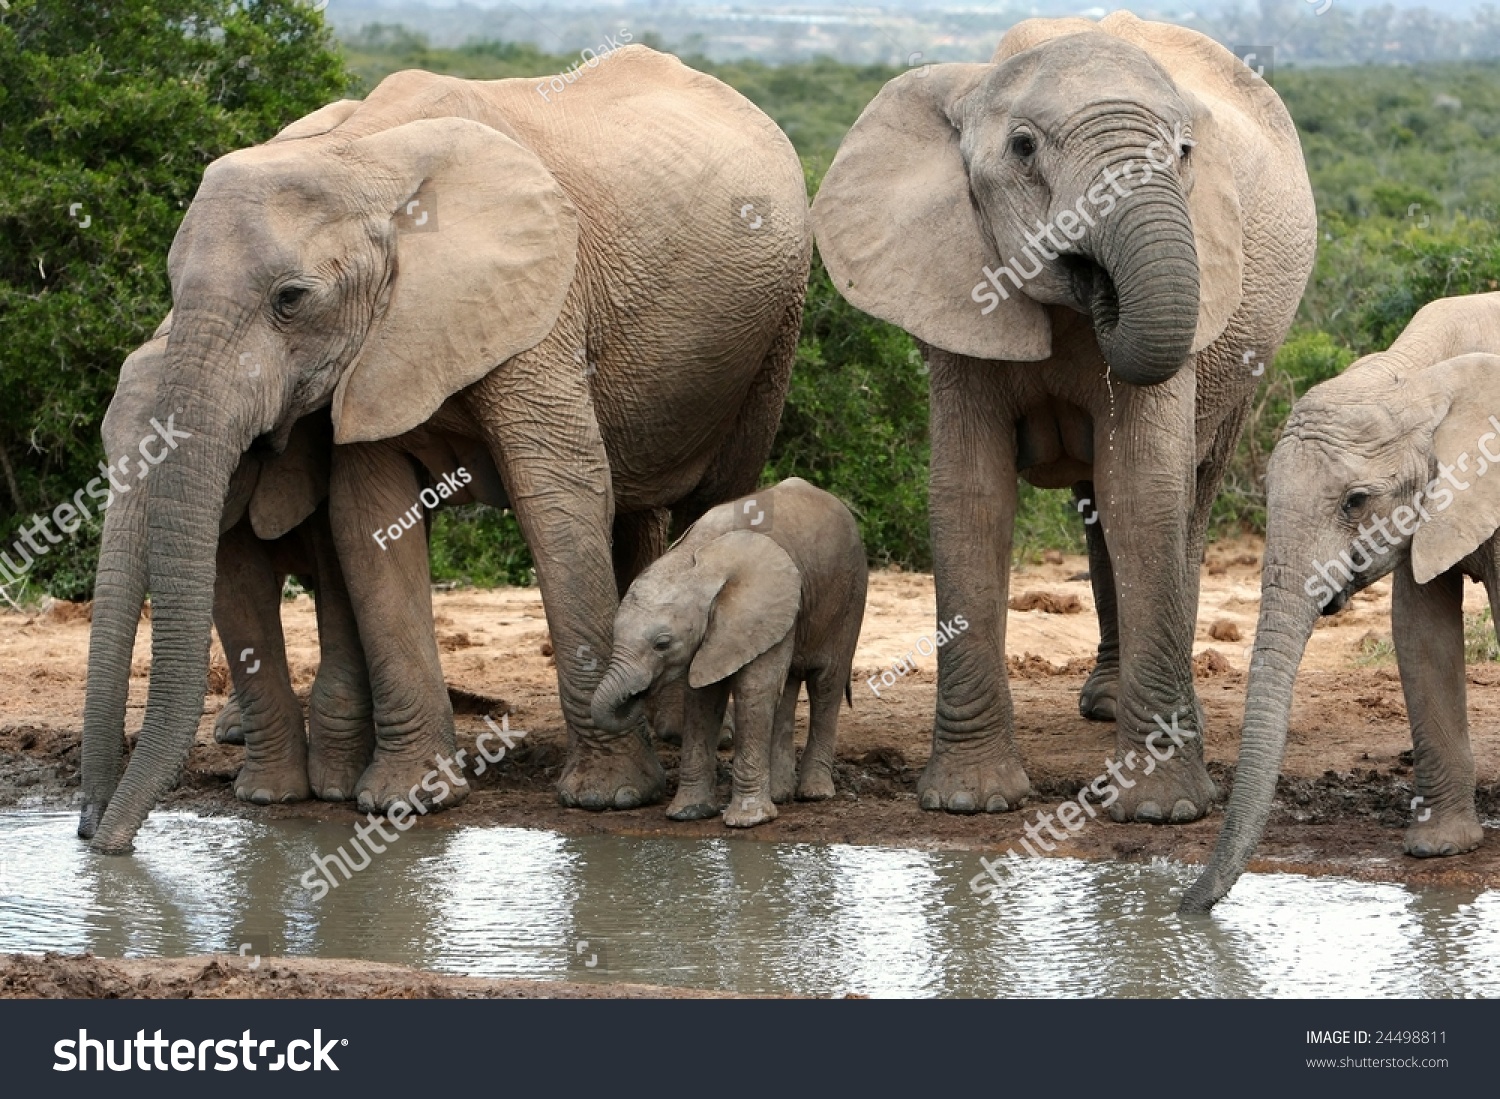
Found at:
(275, 522)
(760, 596)
(598, 291)
(1403, 438)
(1091, 238)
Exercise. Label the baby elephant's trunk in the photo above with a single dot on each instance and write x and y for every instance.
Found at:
(620, 696)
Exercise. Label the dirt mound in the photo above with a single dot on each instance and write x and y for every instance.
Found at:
(1047, 602)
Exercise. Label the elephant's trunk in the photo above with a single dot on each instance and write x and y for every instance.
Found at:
(1287, 616)
(619, 700)
(1144, 302)
(188, 490)
(119, 592)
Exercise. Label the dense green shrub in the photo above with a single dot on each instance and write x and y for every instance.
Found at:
(109, 113)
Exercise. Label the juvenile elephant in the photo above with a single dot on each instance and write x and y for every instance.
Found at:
(760, 596)
(1092, 238)
(1393, 466)
(598, 291)
(275, 523)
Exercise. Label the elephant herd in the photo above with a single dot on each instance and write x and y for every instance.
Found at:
(585, 308)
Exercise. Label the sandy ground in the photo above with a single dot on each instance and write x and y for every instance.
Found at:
(1342, 803)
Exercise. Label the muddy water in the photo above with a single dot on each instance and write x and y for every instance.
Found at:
(752, 917)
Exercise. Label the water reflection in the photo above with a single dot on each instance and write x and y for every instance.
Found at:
(752, 917)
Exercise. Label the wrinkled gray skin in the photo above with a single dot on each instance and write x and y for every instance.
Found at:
(1124, 368)
(465, 273)
(730, 609)
(1355, 450)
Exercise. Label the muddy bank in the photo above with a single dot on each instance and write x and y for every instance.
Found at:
(84, 977)
(1341, 805)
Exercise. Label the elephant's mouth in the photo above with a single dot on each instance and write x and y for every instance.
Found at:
(1093, 291)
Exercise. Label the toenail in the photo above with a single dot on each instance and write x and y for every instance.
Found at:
(1149, 812)
(932, 800)
(1184, 810)
(961, 802)
(997, 804)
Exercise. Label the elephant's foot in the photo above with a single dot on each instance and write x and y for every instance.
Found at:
(622, 773)
(816, 783)
(421, 783)
(973, 776)
(228, 728)
(1155, 791)
(1442, 834)
(334, 777)
(1097, 699)
(693, 805)
(272, 781)
(784, 778)
(748, 811)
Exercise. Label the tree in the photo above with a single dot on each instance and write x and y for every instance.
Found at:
(109, 112)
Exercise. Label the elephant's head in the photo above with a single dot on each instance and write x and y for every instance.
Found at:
(1377, 468)
(705, 614)
(361, 262)
(1070, 171)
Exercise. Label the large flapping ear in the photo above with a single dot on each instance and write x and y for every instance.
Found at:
(1218, 222)
(898, 230)
(755, 608)
(485, 253)
(293, 483)
(319, 122)
(1465, 394)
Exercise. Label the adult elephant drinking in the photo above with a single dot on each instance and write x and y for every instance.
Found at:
(1099, 239)
(599, 289)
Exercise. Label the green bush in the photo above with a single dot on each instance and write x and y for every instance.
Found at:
(109, 113)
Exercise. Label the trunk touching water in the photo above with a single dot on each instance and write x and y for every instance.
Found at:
(1145, 311)
(119, 592)
(187, 494)
(620, 697)
(1286, 622)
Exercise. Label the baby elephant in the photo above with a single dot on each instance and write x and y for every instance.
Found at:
(1393, 467)
(760, 595)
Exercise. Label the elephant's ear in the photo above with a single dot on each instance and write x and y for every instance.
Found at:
(1218, 222)
(756, 605)
(899, 232)
(486, 245)
(1469, 388)
(319, 122)
(293, 483)
(128, 418)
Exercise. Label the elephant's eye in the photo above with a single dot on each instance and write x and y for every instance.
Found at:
(289, 298)
(1354, 501)
(662, 644)
(1023, 145)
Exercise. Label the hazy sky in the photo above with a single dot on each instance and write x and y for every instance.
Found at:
(1453, 7)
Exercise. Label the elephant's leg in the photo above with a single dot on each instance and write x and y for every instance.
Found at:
(640, 537)
(375, 486)
(698, 767)
(228, 726)
(247, 614)
(341, 719)
(825, 694)
(1097, 699)
(758, 690)
(783, 742)
(1145, 471)
(1427, 621)
(974, 764)
(548, 449)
